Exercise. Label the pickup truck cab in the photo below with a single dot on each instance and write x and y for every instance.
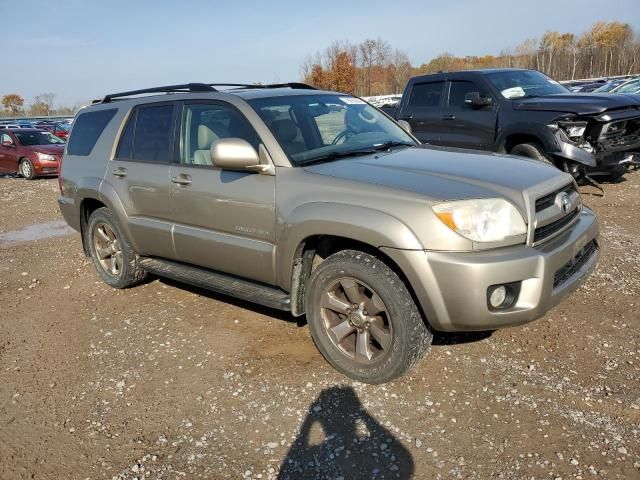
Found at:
(524, 112)
(316, 203)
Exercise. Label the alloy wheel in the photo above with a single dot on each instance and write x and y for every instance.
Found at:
(356, 320)
(107, 248)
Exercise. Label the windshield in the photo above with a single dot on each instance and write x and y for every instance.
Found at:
(38, 138)
(631, 87)
(315, 127)
(525, 84)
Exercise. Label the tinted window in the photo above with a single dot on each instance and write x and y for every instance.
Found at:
(458, 91)
(37, 137)
(125, 148)
(426, 95)
(87, 129)
(153, 134)
(204, 124)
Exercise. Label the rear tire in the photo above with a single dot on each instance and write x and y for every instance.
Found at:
(26, 169)
(373, 346)
(531, 150)
(112, 255)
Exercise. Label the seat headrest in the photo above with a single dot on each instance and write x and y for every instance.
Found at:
(285, 130)
(207, 134)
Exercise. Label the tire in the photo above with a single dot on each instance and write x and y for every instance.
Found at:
(26, 169)
(116, 262)
(397, 337)
(531, 150)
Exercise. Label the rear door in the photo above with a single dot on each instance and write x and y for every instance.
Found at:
(223, 220)
(140, 175)
(8, 156)
(423, 111)
(465, 125)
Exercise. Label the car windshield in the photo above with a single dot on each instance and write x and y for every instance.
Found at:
(630, 87)
(313, 128)
(607, 87)
(38, 138)
(525, 84)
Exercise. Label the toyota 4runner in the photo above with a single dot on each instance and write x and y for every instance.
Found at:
(316, 203)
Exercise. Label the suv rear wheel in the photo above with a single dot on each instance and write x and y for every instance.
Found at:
(113, 257)
(531, 150)
(363, 319)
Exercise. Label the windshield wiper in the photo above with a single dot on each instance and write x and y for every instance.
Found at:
(337, 155)
(392, 143)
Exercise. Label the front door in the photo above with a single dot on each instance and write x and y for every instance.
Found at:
(423, 111)
(223, 220)
(8, 157)
(140, 175)
(465, 125)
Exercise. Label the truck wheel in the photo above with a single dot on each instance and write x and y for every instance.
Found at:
(363, 319)
(26, 169)
(531, 150)
(113, 257)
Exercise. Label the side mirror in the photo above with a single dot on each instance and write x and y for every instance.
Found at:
(238, 155)
(406, 126)
(475, 100)
(7, 143)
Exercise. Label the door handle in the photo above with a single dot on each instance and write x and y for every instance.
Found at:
(120, 172)
(182, 180)
(449, 117)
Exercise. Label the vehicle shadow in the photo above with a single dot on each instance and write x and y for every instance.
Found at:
(340, 439)
(446, 338)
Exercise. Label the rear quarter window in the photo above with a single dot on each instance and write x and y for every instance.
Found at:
(86, 130)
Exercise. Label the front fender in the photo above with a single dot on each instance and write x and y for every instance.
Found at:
(366, 225)
(542, 133)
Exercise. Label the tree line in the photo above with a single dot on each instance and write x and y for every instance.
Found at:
(13, 105)
(374, 67)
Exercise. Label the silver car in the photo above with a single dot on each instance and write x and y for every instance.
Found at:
(317, 203)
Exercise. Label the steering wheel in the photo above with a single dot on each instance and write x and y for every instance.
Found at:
(343, 134)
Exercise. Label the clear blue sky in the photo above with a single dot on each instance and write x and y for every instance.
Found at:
(82, 49)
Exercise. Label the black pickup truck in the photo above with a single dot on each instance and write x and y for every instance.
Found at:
(524, 112)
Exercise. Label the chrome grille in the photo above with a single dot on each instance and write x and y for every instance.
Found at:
(543, 232)
(549, 199)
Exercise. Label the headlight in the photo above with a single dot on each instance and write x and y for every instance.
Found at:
(574, 130)
(482, 220)
(45, 156)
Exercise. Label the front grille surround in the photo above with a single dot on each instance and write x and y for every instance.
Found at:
(549, 230)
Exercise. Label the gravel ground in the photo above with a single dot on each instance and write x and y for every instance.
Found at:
(169, 382)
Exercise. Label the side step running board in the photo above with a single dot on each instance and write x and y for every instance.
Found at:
(219, 282)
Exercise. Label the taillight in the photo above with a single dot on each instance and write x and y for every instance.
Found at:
(60, 173)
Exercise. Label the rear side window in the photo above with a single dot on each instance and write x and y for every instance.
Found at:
(426, 95)
(148, 136)
(87, 128)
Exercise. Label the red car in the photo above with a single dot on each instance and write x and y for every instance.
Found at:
(30, 152)
(61, 130)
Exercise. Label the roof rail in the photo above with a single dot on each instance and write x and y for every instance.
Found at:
(187, 87)
(200, 87)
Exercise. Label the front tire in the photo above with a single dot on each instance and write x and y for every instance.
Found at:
(363, 319)
(112, 255)
(531, 150)
(26, 169)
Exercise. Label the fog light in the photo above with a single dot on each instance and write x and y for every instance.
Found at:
(498, 296)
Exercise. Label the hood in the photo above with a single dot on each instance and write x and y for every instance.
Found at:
(578, 103)
(445, 174)
(49, 149)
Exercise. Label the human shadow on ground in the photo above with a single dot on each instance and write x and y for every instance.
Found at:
(340, 439)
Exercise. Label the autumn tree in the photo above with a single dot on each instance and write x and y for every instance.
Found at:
(45, 102)
(13, 103)
(343, 73)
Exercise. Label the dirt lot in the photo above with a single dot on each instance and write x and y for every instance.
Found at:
(165, 381)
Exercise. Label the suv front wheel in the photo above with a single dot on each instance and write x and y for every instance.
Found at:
(363, 319)
(113, 257)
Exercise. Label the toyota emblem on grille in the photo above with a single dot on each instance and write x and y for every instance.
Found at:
(565, 202)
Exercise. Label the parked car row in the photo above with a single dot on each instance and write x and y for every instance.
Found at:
(628, 84)
(526, 113)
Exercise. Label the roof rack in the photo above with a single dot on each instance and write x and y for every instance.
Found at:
(187, 87)
(200, 87)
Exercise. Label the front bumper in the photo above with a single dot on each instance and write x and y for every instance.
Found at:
(45, 168)
(452, 287)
